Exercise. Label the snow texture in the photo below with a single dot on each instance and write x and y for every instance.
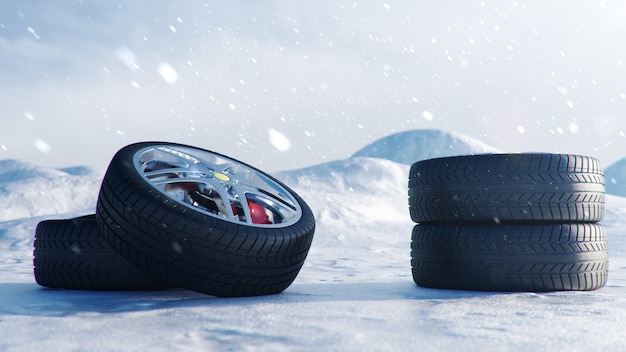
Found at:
(27, 190)
(615, 178)
(354, 292)
(411, 146)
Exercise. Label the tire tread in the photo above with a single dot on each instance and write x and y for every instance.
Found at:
(72, 254)
(536, 258)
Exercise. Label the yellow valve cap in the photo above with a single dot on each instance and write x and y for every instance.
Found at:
(220, 176)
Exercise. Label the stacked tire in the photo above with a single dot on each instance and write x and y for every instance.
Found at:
(176, 216)
(508, 222)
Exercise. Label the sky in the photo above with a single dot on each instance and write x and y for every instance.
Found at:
(283, 85)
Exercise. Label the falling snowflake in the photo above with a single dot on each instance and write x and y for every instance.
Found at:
(42, 146)
(168, 73)
(278, 140)
(32, 31)
(128, 58)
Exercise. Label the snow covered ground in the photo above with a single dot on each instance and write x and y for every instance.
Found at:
(355, 291)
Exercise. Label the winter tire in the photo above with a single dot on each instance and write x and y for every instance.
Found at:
(549, 257)
(203, 221)
(71, 254)
(507, 188)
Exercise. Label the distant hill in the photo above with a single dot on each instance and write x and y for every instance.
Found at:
(28, 190)
(356, 190)
(615, 178)
(415, 145)
(356, 174)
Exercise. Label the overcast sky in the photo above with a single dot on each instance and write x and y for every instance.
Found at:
(285, 84)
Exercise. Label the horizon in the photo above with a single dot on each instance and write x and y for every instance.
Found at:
(479, 145)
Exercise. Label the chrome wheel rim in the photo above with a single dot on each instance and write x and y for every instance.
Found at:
(217, 186)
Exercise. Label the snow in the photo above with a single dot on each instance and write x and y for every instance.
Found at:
(279, 140)
(168, 73)
(410, 146)
(615, 178)
(28, 190)
(355, 291)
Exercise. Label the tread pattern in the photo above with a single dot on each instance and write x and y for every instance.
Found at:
(192, 250)
(505, 188)
(548, 257)
(71, 254)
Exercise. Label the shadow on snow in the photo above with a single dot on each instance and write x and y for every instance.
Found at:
(33, 300)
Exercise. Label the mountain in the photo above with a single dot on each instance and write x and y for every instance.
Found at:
(355, 174)
(354, 190)
(28, 190)
(410, 146)
(615, 178)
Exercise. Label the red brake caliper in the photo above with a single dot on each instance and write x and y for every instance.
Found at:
(257, 213)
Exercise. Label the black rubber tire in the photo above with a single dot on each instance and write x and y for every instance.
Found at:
(190, 249)
(535, 258)
(507, 188)
(71, 254)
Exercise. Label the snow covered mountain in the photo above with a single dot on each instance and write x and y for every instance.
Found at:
(410, 146)
(363, 189)
(28, 190)
(615, 178)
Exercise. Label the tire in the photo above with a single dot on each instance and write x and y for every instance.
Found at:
(535, 258)
(507, 188)
(71, 254)
(165, 208)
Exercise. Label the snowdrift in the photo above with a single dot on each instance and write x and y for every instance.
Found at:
(28, 190)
